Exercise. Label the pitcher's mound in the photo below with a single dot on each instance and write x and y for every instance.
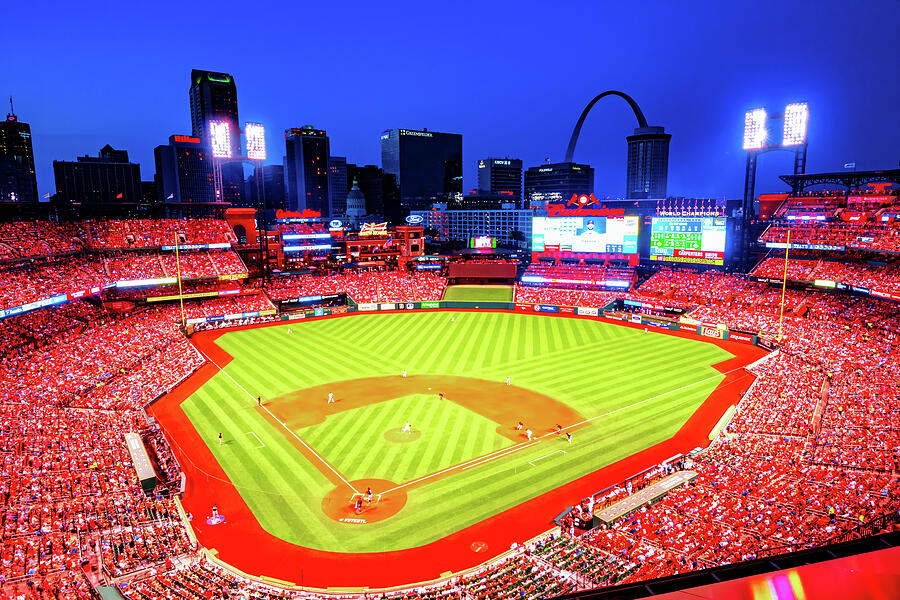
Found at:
(340, 504)
(398, 436)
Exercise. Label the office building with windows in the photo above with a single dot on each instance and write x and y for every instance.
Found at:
(648, 163)
(557, 182)
(427, 165)
(18, 182)
(511, 227)
(213, 97)
(502, 176)
(184, 171)
(337, 184)
(306, 170)
(108, 178)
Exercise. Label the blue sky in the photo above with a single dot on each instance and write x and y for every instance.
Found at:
(511, 77)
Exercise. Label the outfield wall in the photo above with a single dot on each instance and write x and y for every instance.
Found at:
(683, 324)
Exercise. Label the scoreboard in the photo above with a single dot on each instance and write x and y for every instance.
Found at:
(688, 239)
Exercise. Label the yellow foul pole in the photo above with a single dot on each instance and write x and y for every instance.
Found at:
(787, 249)
(178, 276)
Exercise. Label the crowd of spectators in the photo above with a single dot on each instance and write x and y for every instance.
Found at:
(362, 286)
(808, 457)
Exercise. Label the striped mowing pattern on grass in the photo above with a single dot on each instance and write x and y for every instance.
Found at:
(479, 293)
(353, 441)
(640, 387)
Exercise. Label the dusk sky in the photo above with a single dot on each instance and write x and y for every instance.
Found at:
(512, 78)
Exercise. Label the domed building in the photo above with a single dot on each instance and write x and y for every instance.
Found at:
(356, 204)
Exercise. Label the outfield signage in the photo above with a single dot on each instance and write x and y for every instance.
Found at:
(232, 317)
(590, 311)
(387, 306)
(782, 246)
(430, 304)
(181, 247)
(367, 306)
(713, 332)
(545, 308)
(195, 295)
(739, 336)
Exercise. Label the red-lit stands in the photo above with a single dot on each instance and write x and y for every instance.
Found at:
(21, 284)
(364, 286)
(579, 276)
(23, 239)
(564, 297)
(152, 233)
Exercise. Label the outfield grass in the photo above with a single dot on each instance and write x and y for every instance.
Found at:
(641, 387)
(479, 293)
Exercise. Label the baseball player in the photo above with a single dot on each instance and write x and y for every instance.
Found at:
(330, 398)
(407, 428)
(528, 433)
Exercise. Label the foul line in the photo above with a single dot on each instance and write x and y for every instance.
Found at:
(299, 439)
(261, 445)
(509, 451)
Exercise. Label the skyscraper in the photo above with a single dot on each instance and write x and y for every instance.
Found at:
(17, 179)
(306, 169)
(427, 164)
(337, 184)
(553, 183)
(501, 176)
(648, 163)
(108, 178)
(214, 98)
(272, 187)
(184, 172)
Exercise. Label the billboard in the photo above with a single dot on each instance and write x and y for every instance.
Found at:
(482, 241)
(588, 234)
(688, 239)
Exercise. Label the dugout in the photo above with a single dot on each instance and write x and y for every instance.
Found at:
(141, 462)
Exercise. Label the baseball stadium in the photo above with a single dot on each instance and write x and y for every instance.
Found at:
(181, 419)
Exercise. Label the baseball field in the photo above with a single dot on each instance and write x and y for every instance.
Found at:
(299, 462)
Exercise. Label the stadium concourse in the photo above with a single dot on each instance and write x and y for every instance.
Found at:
(810, 456)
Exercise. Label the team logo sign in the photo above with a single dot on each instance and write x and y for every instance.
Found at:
(582, 205)
(583, 201)
(414, 219)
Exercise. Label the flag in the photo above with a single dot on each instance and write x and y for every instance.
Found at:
(388, 242)
(850, 165)
(119, 196)
(46, 196)
(170, 196)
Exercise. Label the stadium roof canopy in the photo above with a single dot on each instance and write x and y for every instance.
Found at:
(851, 180)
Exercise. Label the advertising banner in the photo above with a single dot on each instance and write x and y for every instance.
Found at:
(713, 332)
(430, 304)
(547, 308)
(387, 306)
(738, 336)
(367, 306)
(635, 318)
(569, 310)
(688, 327)
(525, 307)
(588, 310)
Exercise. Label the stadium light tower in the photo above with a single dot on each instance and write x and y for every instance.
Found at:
(756, 142)
(220, 143)
(255, 136)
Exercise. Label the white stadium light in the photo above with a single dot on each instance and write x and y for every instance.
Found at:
(220, 139)
(796, 120)
(755, 129)
(256, 141)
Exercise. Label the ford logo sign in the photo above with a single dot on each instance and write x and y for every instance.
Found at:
(414, 219)
(335, 224)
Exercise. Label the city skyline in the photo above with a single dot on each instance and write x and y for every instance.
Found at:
(698, 96)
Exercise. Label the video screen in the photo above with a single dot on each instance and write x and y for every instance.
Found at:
(602, 235)
(482, 241)
(688, 239)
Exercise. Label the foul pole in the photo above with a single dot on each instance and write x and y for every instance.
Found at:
(787, 249)
(178, 277)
